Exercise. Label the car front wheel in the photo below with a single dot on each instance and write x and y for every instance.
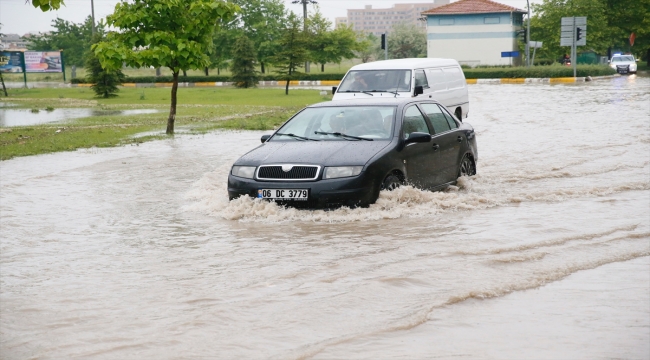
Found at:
(391, 182)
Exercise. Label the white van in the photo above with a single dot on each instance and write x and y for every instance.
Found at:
(440, 79)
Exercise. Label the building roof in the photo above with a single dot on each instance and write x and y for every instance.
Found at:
(472, 7)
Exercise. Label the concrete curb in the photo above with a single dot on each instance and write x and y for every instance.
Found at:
(560, 80)
(220, 84)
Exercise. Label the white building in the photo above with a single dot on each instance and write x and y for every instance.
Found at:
(474, 32)
(379, 21)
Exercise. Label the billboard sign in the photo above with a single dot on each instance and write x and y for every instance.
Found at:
(43, 61)
(11, 62)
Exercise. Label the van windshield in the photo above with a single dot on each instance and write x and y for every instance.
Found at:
(376, 81)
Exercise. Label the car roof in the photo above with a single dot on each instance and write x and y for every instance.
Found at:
(410, 63)
(384, 101)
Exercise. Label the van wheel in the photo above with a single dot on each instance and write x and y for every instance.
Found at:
(391, 182)
(459, 114)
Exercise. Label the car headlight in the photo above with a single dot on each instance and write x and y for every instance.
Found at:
(632, 67)
(341, 171)
(244, 171)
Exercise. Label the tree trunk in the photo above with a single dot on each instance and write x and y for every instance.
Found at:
(3, 85)
(322, 67)
(172, 109)
(286, 89)
(262, 65)
(184, 73)
(206, 71)
(218, 71)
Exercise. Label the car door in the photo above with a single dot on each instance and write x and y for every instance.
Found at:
(445, 140)
(420, 158)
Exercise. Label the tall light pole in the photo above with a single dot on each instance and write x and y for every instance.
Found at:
(92, 8)
(304, 23)
(528, 37)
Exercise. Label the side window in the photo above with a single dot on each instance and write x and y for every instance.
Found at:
(413, 122)
(421, 79)
(450, 119)
(437, 78)
(437, 118)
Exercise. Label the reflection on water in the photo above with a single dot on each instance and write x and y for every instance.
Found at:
(26, 117)
(136, 252)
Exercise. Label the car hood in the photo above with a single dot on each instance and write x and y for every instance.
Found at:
(326, 153)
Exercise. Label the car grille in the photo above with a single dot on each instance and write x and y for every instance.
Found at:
(297, 172)
(622, 68)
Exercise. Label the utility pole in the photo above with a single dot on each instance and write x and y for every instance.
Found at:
(304, 15)
(92, 8)
(528, 37)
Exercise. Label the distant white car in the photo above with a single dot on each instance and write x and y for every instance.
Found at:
(623, 64)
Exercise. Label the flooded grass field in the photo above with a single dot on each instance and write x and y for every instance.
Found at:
(136, 252)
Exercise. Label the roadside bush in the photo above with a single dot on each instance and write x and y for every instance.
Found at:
(548, 71)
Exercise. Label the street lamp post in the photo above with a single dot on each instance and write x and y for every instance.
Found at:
(304, 15)
(528, 37)
(92, 9)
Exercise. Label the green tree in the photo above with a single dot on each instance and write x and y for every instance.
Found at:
(293, 50)
(366, 46)
(243, 70)
(170, 33)
(262, 22)
(47, 5)
(104, 81)
(546, 22)
(407, 40)
(327, 45)
(74, 39)
(625, 17)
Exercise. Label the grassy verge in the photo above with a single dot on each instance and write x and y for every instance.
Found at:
(199, 110)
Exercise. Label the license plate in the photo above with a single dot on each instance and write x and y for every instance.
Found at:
(283, 194)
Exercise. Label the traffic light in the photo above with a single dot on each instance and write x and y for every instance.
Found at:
(383, 41)
(522, 34)
(578, 34)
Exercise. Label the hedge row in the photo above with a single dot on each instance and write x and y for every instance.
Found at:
(213, 78)
(551, 71)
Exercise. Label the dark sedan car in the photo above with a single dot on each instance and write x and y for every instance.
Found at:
(344, 152)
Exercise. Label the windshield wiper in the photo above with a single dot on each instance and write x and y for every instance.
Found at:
(341, 135)
(355, 91)
(297, 136)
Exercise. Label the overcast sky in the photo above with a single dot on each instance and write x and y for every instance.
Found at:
(18, 17)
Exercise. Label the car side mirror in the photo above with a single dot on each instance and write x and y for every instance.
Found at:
(609, 61)
(418, 90)
(418, 137)
(333, 89)
(265, 138)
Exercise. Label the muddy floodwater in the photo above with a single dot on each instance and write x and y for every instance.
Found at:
(26, 117)
(135, 252)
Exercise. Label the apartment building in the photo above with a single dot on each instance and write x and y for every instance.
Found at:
(379, 21)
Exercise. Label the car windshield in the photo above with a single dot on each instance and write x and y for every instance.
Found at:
(622, 58)
(376, 81)
(339, 123)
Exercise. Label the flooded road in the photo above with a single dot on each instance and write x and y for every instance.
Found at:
(135, 252)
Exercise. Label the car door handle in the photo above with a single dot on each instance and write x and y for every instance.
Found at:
(460, 139)
(436, 147)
